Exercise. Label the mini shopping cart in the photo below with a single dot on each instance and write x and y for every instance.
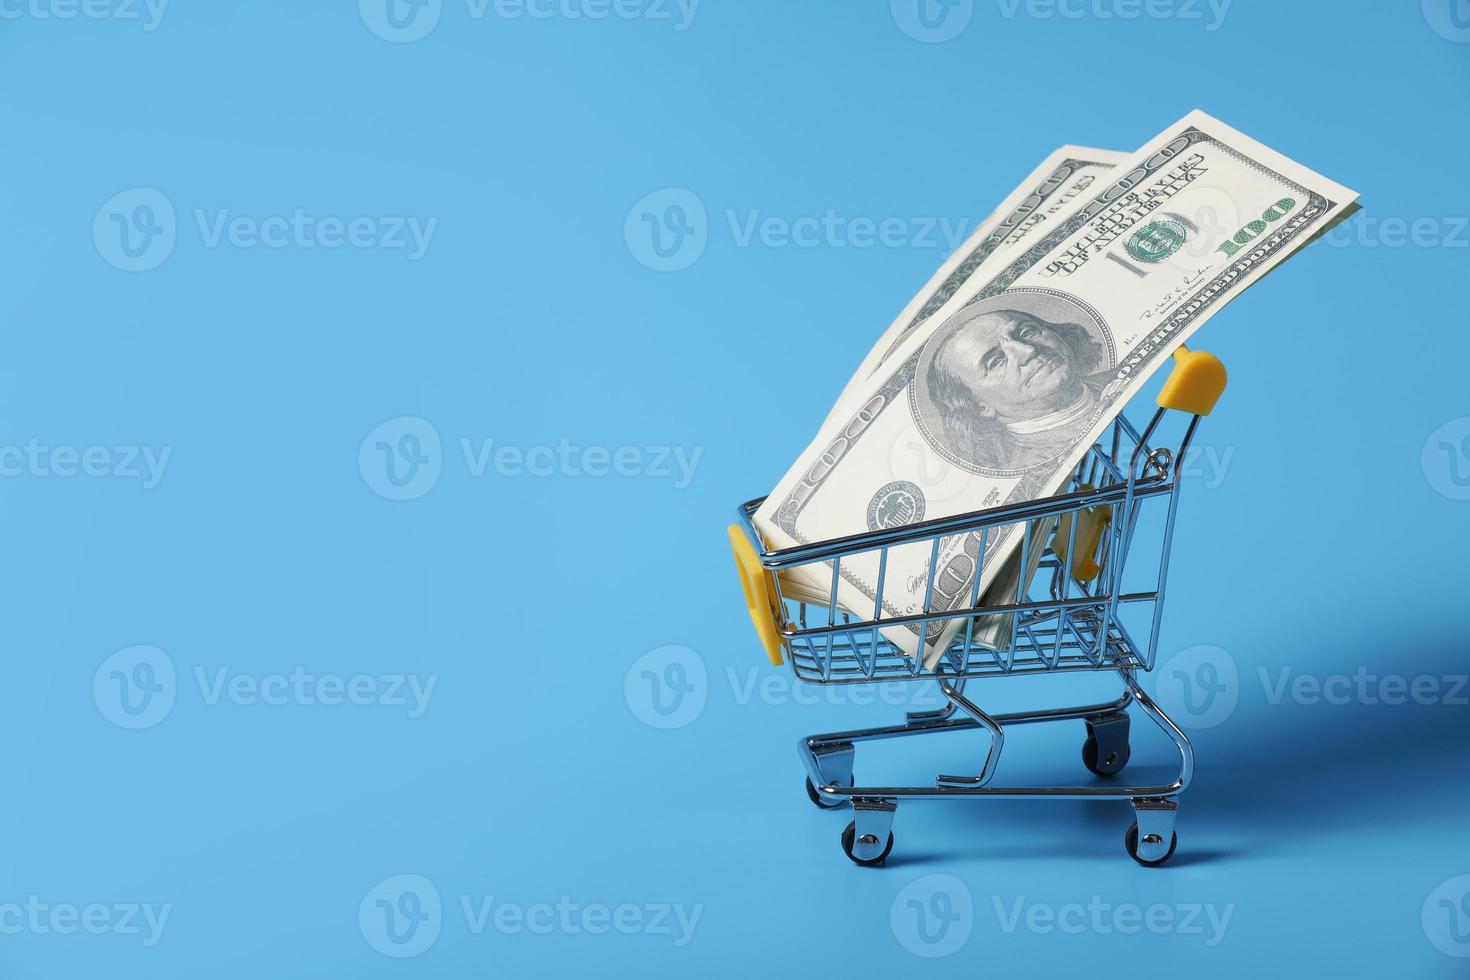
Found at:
(1084, 610)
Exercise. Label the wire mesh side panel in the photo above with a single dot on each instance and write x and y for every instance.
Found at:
(1089, 604)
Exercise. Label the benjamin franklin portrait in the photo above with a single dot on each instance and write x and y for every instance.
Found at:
(1004, 388)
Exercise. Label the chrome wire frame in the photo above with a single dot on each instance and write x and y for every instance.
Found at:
(1057, 625)
(816, 752)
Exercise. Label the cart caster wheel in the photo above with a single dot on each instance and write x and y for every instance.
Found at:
(1106, 750)
(1131, 842)
(849, 838)
(1110, 764)
(822, 802)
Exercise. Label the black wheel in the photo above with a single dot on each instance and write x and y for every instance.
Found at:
(821, 801)
(849, 838)
(1110, 764)
(1131, 842)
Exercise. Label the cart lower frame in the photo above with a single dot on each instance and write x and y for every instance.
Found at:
(828, 759)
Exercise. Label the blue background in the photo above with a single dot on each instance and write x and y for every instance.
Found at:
(1324, 547)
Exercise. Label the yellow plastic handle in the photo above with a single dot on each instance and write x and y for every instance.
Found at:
(1195, 384)
(760, 600)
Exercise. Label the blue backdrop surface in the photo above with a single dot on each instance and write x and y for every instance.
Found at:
(379, 377)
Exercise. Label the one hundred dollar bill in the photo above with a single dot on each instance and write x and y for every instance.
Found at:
(1006, 386)
(1051, 188)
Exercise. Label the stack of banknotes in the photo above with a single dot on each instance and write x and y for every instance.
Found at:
(994, 381)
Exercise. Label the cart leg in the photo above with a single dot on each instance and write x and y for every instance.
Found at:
(827, 764)
(869, 838)
(941, 714)
(1175, 733)
(1106, 750)
(834, 763)
(957, 698)
(1151, 840)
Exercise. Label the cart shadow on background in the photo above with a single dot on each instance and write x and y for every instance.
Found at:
(1339, 768)
(1342, 767)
